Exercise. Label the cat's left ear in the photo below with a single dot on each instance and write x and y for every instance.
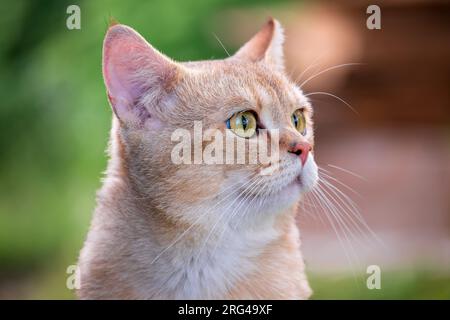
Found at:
(137, 76)
(266, 45)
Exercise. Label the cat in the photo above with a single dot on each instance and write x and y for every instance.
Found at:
(174, 231)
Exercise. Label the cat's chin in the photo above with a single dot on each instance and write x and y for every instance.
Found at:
(303, 182)
(293, 191)
(290, 194)
(281, 200)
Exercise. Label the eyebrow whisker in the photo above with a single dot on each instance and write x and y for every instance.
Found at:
(334, 96)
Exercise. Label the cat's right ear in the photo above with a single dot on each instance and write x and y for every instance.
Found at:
(266, 45)
(136, 74)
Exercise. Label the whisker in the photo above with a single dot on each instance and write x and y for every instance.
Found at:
(354, 261)
(262, 186)
(306, 212)
(224, 212)
(334, 210)
(220, 42)
(259, 186)
(348, 202)
(344, 211)
(334, 96)
(339, 193)
(326, 174)
(192, 225)
(320, 200)
(328, 69)
(313, 64)
(348, 171)
(316, 208)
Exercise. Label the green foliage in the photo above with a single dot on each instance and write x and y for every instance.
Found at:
(404, 284)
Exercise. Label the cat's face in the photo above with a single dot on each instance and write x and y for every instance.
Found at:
(244, 97)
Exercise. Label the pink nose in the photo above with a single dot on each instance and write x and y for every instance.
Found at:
(301, 149)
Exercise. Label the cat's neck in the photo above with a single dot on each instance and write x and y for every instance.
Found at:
(253, 263)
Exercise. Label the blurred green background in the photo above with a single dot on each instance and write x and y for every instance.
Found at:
(54, 126)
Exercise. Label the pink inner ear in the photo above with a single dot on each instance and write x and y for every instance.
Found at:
(124, 56)
(131, 67)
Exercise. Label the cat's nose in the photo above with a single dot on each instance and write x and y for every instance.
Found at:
(300, 149)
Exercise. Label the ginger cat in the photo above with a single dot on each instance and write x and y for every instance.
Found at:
(198, 231)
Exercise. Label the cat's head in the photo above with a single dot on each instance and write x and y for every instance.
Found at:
(156, 99)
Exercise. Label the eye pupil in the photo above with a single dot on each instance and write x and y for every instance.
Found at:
(244, 122)
(295, 118)
(299, 122)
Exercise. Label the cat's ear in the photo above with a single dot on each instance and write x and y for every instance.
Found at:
(132, 69)
(266, 45)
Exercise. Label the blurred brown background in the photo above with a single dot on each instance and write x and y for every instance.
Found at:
(400, 139)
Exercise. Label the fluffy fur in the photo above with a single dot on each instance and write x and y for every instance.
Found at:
(166, 231)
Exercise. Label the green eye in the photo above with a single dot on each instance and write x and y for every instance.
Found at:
(299, 122)
(243, 124)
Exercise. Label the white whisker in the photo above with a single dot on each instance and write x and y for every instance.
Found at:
(316, 207)
(221, 44)
(320, 200)
(328, 69)
(352, 207)
(224, 212)
(348, 171)
(259, 186)
(326, 174)
(334, 96)
(313, 64)
(337, 204)
(192, 225)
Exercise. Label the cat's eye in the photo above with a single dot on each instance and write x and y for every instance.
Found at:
(299, 121)
(243, 124)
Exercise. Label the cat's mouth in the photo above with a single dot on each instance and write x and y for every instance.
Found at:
(298, 183)
(288, 184)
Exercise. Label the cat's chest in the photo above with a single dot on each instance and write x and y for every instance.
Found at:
(215, 268)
